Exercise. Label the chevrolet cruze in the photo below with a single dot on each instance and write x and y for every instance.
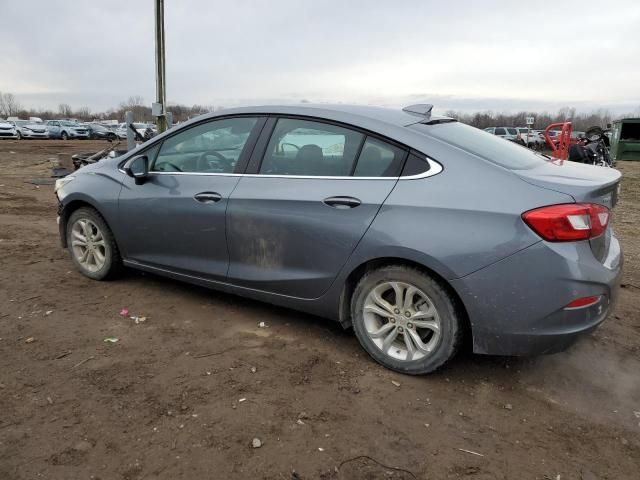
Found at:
(413, 229)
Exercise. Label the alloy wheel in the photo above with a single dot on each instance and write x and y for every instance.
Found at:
(88, 245)
(402, 321)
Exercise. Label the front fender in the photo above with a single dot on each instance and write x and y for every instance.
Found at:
(99, 189)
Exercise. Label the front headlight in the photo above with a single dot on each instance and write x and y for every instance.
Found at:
(61, 182)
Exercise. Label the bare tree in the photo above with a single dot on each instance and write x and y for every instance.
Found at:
(9, 105)
(64, 109)
(84, 113)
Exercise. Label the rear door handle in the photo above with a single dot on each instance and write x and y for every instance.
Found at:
(208, 197)
(342, 202)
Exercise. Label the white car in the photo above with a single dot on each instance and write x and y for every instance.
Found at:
(146, 130)
(8, 130)
(532, 138)
(508, 133)
(27, 129)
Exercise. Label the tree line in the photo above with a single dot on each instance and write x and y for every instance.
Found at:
(10, 106)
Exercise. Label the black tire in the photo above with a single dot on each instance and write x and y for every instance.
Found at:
(112, 137)
(19, 135)
(64, 136)
(113, 263)
(450, 319)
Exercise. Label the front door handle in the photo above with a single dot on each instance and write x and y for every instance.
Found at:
(208, 197)
(342, 202)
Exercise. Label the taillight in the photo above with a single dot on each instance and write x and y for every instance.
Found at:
(568, 222)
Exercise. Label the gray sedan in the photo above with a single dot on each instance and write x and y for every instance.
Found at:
(413, 229)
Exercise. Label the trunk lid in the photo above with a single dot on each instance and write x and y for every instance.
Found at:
(586, 184)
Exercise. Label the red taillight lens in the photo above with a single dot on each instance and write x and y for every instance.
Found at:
(568, 222)
(583, 302)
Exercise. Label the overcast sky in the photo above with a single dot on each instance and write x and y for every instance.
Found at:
(498, 55)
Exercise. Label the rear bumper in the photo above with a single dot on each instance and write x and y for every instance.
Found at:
(517, 305)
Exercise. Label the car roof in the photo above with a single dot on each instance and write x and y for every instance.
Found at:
(359, 115)
(388, 122)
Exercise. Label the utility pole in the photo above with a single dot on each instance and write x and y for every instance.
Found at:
(161, 92)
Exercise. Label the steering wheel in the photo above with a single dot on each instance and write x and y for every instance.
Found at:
(175, 167)
(222, 159)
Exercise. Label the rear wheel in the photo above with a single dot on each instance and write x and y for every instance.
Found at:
(405, 320)
(92, 245)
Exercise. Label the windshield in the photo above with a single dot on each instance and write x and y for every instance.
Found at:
(20, 123)
(69, 124)
(478, 142)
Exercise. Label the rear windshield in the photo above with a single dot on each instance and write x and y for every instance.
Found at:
(478, 142)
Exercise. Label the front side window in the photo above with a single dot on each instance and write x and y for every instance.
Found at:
(501, 131)
(212, 147)
(379, 159)
(308, 148)
(512, 131)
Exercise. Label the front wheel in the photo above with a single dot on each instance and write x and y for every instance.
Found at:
(92, 245)
(405, 320)
(19, 135)
(64, 136)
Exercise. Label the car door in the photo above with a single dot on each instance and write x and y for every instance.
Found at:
(175, 220)
(54, 129)
(304, 204)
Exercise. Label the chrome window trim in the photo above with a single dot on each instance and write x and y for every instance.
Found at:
(434, 169)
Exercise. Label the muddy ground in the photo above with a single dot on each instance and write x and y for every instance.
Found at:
(165, 401)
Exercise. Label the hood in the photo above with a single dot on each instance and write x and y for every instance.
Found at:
(5, 125)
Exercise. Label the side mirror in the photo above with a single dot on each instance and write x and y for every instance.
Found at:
(138, 168)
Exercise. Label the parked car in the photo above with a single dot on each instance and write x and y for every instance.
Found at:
(413, 229)
(146, 130)
(508, 133)
(8, 130)
(65, 129)
(532, 138)
(28, 129)
(100, 132)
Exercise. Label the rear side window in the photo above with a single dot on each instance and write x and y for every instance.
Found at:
(308, 148)
(501, 131)
(512, 131)
(379, 159)
(489, 147)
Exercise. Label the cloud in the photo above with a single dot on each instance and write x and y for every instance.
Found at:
(504, 54)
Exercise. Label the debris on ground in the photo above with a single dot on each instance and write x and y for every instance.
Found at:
(471, 452)
(254, 369)
(256, 443)
(508, 406)
(111, 340)
(397, 384)
(30, 340)
(262, 325)
(137, 320)
(124, 312)
(320, 449)
(48, 312)
(242, 400)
